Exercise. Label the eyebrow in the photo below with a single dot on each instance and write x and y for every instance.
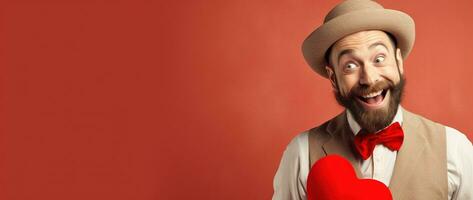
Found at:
(349, 51)
(376, 44)
(346, 51)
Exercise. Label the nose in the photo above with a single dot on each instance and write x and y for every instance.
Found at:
(369, 75)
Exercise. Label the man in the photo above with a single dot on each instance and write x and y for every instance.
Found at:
(360, 49)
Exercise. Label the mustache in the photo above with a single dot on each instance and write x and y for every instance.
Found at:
(361, 90)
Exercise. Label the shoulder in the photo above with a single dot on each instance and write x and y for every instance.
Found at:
(296, 154)
(433, 132)
(453, 136)
(457, 143)
(456, 137)
(299, 140)
(456, 140)
(333, 125)
(297, 146)
(458, 146)
(421, 119)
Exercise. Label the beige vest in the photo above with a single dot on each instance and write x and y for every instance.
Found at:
(420, 172)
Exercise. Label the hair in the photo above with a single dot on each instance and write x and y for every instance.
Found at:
(392, 39)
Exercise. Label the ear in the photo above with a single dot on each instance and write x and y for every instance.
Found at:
(399, 60)
(331, 77)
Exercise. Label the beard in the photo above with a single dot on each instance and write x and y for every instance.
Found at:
(373, 120)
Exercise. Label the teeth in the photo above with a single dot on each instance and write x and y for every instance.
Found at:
(373, 94)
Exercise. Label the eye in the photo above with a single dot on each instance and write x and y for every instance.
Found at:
(350, 66)
(379, 59)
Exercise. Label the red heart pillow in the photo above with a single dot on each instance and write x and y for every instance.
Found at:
(333, 178)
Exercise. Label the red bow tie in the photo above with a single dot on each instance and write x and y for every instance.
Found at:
(391, 137)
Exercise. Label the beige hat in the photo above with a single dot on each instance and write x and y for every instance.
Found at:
(352, 16)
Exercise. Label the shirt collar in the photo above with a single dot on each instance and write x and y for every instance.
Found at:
(355, 127)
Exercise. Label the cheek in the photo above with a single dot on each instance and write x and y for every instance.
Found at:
(346, 84)
(391, 74)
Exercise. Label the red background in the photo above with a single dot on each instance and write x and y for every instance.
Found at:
(187, 100)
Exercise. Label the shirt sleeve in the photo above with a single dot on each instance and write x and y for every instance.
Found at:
(289, 181)
(459, 165)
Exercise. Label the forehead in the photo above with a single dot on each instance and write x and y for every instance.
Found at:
(362, 39)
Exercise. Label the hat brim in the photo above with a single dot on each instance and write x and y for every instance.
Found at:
(397, 23)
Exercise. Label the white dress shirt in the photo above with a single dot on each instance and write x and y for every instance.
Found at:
(291, 178)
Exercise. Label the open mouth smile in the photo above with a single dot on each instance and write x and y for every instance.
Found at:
(373, 100)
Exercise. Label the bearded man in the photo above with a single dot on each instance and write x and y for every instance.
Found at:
(360, 49)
